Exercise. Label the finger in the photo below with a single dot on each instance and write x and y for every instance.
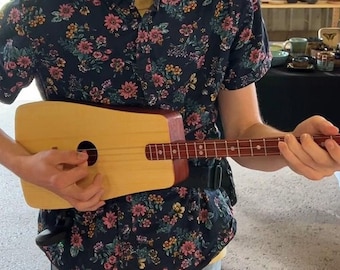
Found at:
(295, 163)
(320, 158)
(301, 162)
(316, 125)
(333, 149)
(297, 149)
(88, 199)
(69, 177)
(67, 157)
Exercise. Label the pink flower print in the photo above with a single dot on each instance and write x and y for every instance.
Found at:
(182, 192)
(255, 56)
(128, 90)
(97, 55)
(146, 223)
(98, 247)
(97, 2)
(112, 259)
(200, 61)
(171, 2)
(142, 37)
(66, 11)
(117, 64)
(76, 240)
(24, 61)
(101, 40)
(186, 30)
(227, 23)
(96, 93)
(158, 80)
(112, 22)
(107, 266)
(156, 36)
(188, 248)
(193, 119)
(200, 135)
(110, 220)
(148, 68)
(246, 35)
(185, 264)
(203, 216)
(14, 15)
(56, 73)
(10, 65)
(138, 210)
(85, 47)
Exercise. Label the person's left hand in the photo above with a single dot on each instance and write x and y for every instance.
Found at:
(307, 157)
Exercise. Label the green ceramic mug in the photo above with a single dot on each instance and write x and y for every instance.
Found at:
(297, 46)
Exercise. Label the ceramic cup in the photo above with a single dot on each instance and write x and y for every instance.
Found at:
(297, 46)
(325, 61)
(314, 44)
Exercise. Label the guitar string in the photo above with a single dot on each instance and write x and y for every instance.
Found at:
(235, 148)
(112, 152)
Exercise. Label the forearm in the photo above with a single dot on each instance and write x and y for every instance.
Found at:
(11, 153)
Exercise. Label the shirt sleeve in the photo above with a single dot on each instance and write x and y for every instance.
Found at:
(16, 51)
(249, 56)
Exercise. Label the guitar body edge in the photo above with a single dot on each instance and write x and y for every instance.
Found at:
(119, 138)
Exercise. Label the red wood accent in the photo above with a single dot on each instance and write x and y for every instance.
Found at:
(221, 148)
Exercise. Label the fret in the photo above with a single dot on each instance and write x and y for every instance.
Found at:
(251, 148)
(205, 149)
(187, 151)
(222, 148)
(179, 151)
(215, 148)
(163, 152)
(157, 158)
(149, 154)
(226, 148)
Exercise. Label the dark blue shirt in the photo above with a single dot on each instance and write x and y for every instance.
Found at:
(178, 56)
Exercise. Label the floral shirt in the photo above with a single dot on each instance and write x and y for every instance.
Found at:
(178, 56)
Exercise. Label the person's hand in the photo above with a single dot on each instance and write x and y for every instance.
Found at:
(59, 172)
(307, 157)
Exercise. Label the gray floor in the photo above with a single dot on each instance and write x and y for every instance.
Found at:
(285, 221)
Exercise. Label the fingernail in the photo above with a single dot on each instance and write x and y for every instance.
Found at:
(304, 136)
(82, 155)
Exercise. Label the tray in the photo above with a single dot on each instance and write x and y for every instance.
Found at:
(277, 2)
(310, 67)
(333, 2)
(330, 36)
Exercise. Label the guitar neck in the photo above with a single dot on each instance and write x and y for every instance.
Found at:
(221, 148)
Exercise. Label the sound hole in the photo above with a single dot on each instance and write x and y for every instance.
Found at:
(91, 150)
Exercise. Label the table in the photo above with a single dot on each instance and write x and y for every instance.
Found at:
(320, 5)
(287, 97)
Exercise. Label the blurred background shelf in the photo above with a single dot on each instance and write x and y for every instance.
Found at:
(319, 5)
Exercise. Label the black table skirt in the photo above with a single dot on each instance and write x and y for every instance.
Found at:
(287, 97)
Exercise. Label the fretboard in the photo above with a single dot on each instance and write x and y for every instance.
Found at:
(221, 148)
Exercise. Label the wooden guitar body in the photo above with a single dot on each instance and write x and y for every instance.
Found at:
(115, 140)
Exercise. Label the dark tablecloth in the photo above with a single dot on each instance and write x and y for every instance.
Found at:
(287, 97)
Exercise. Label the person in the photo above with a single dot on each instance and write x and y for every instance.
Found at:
(198, 57)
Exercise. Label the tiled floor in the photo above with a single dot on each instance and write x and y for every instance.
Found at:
(285, 221)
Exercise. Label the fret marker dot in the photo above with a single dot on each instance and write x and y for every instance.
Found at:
(200, 153)
(160, 152)
(232, 148)
(258, 147)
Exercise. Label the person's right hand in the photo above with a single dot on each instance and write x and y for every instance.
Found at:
(59, 171)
